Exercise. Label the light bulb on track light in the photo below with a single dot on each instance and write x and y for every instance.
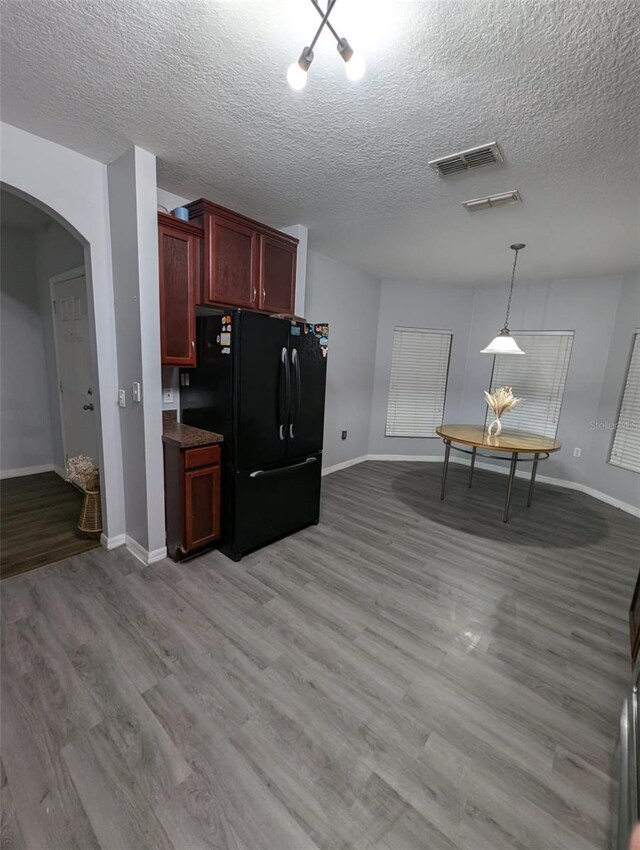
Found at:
(297, 73)
(296, 77)
(354, 62)
(355, 68)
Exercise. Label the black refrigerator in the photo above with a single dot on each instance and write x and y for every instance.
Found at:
(260, 382)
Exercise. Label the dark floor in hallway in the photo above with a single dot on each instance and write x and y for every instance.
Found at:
(408, 675)
(38, 522)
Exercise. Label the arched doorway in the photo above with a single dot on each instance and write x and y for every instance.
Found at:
(48, 388)
(95, 263)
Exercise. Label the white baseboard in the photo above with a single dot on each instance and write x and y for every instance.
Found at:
(415, 458)
(134, 547)
(556, 482)
(113, 542)
(142, 554)
(344, 465)
(157, 555)
(59, 471)
(27, 470)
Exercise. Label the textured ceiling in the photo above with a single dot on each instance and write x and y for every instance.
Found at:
(202, 85)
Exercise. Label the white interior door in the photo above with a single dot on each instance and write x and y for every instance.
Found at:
(78, 397)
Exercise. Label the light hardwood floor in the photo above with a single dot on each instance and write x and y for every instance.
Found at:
(408, 675)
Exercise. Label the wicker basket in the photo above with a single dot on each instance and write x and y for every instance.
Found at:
(90, 522)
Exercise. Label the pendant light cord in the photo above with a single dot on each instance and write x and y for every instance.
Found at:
(513, 277)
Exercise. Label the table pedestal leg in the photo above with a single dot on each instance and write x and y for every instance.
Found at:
(473, 463)
(447, 452)
(512, 475)
(534, 469)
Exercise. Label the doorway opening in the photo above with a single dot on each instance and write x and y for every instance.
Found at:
(48, 389)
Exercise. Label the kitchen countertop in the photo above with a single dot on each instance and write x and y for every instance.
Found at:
(186, 436)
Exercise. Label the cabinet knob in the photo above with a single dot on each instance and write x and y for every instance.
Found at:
(253, 297)
(264, 294)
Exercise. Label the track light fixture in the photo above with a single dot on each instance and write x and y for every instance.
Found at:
(354, 63)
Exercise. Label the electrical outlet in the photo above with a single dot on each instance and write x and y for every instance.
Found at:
(343, 436)
(136, 392)
(167, 396)
(577, 452)
(122, 398)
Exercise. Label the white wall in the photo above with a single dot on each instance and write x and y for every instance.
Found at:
(615, 482)
(134, 240)
(26, 442)
(348, 300)
(73, 189)
(416, 305)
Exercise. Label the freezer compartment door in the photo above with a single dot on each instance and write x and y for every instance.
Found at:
(272, 502)
(308, 368)
(263, 388)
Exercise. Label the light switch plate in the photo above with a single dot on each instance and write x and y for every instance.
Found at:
(122, 398)
(136, 393)
(167, 396)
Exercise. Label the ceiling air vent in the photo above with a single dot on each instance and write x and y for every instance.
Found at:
(491, 201)
(467, 160)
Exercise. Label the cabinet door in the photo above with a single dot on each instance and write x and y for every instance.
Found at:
(230, 257)
(277, 274)
(202, 506)
(178, 265)
(634, 621)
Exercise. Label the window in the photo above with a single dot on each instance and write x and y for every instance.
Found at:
(538, 378)
(625, 448)
(418, 383)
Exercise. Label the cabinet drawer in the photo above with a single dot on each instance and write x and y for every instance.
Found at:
(206, 456)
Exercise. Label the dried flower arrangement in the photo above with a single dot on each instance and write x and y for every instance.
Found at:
(82, 471)
(500, 401)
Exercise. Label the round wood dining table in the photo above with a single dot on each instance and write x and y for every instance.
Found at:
(522, 446)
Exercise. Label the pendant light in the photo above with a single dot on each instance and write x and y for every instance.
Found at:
(504, 343)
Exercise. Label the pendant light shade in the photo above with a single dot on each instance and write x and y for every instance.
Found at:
(504, 343)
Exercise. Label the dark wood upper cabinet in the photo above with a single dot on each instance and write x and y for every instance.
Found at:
(229, 263)
(277, 274)
(179, 248)
(634, 621)
(245, 263)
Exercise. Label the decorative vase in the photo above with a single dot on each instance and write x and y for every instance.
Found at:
(497, 424)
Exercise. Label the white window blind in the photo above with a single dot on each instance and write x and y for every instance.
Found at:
(418, 383)
(539, 378)
(625, 448)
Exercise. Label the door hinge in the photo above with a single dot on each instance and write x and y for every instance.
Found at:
(55, 308)
(60, 385)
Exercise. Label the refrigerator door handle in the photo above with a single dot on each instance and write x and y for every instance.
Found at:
(284, 409)
(261, 473)
(295, 362)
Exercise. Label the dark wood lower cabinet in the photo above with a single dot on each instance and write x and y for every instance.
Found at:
(202, 499)
(192, 498)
